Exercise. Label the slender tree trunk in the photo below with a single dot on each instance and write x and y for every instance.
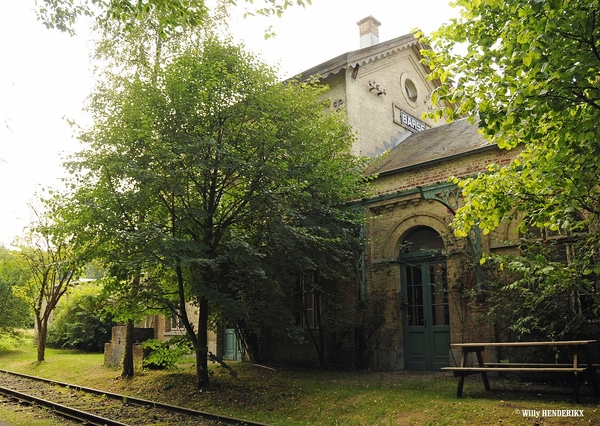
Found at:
(128, 370)
(321, 345)
(318, 339)
(202, 347)
(41, 338)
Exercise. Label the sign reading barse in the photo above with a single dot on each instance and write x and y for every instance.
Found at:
(408, 121)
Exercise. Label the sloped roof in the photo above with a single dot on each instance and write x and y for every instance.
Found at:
(363, 56)
(430, 146)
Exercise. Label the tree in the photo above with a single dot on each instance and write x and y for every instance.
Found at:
(529, 79)
(14, 311)
(300, 260)
(192, 163)
(62, 14)
(52, 268)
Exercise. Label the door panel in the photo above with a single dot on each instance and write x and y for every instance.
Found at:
(426, 314)
(414, 353)
(231, 350)
(414, 287)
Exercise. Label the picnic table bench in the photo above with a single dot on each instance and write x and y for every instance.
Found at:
(576, 346)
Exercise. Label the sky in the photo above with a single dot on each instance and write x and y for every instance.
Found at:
(45, 76)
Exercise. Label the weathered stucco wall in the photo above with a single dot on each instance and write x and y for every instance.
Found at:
(376, 116)
(113, 351)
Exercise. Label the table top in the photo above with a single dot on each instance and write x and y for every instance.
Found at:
(515, 344)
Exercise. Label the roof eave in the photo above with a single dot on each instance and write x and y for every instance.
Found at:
(361, 56)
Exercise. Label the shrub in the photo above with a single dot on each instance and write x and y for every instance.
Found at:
(15, 312)
(80, 320)
(13, 340)
(166, 355)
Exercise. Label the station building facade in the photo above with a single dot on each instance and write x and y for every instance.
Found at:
(409, 300)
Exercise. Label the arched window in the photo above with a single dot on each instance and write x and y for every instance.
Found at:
(422, 240)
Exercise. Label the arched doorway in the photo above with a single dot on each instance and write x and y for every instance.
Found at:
(426, 322)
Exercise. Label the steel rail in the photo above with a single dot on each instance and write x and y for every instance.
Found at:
(145, 403)
(63, 410)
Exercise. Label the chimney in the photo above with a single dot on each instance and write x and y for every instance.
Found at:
(369, 31)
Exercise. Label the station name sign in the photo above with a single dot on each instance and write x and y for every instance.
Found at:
(408, 121)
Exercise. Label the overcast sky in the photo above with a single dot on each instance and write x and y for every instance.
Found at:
(45, 76)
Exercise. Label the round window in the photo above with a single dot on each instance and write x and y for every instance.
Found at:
(410, 89)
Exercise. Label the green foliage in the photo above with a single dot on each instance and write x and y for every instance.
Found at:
(549, 299)
(63, 14)
(197, 167)
(537, 294)
(14, 311)
(552, 286)
(12, 340)
(80, 320)
(52, 267)
(529, 80)
(166, 354)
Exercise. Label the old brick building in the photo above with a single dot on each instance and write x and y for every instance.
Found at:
(415, 265)
(409, 306)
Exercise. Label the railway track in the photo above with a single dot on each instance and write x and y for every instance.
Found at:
(96, 407)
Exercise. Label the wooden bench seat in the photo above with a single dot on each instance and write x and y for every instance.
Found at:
(529, 364)
(524, 364)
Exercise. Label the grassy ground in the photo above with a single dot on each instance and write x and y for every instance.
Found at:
(314, 397)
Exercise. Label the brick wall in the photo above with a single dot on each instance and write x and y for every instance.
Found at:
(390, 220)
(466, 166)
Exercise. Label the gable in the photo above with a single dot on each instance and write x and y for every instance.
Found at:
(384, 90)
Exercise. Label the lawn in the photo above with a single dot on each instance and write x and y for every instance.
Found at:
(299, 396)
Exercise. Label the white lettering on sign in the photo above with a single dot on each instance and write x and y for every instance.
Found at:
(411, 122)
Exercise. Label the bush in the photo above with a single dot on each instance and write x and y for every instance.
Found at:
(15, 313)
(13, 340)
(80, 320)
(166, 355)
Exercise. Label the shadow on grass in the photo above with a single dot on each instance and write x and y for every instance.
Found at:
(518, 390)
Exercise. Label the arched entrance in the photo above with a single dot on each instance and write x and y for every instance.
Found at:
(426, 322)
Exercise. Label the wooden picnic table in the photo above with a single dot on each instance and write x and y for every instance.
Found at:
(576, 347)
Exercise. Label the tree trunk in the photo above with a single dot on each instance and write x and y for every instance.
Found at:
(321, 345)
(128, 353)
(202, 347)
(318, 340)
(41, 339)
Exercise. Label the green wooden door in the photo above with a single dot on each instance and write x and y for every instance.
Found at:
(426, 314)
(231, 346)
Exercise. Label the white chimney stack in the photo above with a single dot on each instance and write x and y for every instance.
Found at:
(369, 31)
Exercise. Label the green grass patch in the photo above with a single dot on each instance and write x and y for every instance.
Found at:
(317, 397)
(13, 340)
